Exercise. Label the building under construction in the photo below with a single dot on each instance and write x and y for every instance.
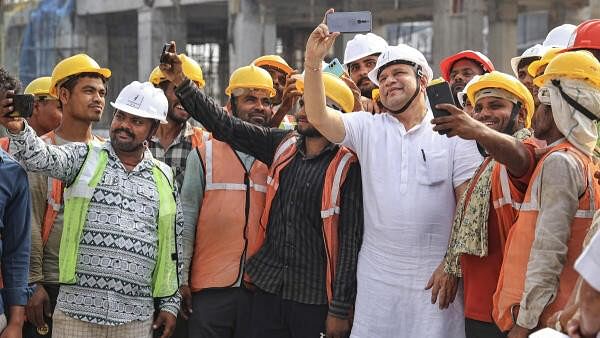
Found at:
(127, 35)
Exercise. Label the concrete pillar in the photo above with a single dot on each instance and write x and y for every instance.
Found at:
(155, 27)
(502, 38)
(453, 32)
(252, 31)
(594, 9)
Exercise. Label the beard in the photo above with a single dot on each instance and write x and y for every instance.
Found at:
(366, 87)
(309, 132)
(124, 146)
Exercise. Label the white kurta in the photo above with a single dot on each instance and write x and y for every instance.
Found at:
(408, 191)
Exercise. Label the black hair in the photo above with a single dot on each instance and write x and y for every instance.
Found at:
(524, 62)
(71, 82)
(164, 85)
(8, 82)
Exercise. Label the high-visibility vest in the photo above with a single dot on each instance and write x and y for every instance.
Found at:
(511, 282)
(197, 136)
(233, 202)
(330, 202)
(4, 143)
(77, 199)
(54, 194)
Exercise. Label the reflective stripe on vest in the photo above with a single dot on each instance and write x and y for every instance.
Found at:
(511, 281)
(4, 143)
(506, 197)
(334, 179)
(229, 218)
(77, 199)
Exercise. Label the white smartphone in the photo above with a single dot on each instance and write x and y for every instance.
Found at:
(350, 22)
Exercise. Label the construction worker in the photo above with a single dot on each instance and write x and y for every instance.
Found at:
(537, 274)
(303, 261)
(173, 141)
(360, 57)
(502, 113)
(120, 244)
(223, 198)
(411, 177)
(15, 228)
(520, 64)
(459, 69)
(46, 108)
(80, 85)
(463, 98)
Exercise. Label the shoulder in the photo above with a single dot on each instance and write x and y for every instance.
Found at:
(11, 169)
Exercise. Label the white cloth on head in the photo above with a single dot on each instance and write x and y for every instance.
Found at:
(576, 127)
(409, 178)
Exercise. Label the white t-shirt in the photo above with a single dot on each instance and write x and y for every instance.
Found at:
(408, 192)
(588, 264)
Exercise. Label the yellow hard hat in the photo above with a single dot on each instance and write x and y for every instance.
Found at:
(508, 83)
(579, 64)
(76, 64)
(436, 81)
(251, 77)
(39, 86)
(274, 61)
(535, 66)
(335, 89)
(191, 69)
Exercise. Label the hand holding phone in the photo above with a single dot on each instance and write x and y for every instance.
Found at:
(439, 93)
(22, 106)
(350, 22)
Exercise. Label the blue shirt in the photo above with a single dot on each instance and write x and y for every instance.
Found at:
(15, 231)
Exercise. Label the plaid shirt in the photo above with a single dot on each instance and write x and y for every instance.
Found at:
(176, 155)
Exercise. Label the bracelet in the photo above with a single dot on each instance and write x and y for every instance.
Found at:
(310, 67)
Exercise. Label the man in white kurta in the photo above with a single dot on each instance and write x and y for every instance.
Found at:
(411, 176)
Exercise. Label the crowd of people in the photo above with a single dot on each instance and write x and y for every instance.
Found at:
(311, 204)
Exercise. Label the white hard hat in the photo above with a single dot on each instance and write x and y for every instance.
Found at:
(143, 100)
(462, 95)
(363, 45)
(401, 52)
(559, 36)
(533, 51)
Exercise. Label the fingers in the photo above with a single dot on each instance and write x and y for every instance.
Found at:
(434, 292)
(172, 47)
(430, 282)
(159, 321)
(329, 11)
(37, 315)
(47, 310)
(452, 109)
(442, 297)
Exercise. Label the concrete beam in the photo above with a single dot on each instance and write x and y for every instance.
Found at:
(86, 7)
(502, 37)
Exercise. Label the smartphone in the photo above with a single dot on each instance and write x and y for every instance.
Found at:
(163, 55)
(350, 22)
(22, 106)
(439, 93)
(335, 68)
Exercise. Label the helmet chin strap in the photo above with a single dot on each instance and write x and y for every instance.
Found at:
(419, 74)
(508, 130)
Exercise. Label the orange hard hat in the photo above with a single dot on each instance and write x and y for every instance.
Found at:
(478, 57)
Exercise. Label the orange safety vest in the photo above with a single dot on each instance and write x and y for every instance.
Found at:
(231, 208)
(4, 143)
(511, 282)
(197, 137)
(330, 209)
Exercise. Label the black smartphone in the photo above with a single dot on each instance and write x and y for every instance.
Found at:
(439, 93)
(163, 54)
(350, 22)
(22, 106)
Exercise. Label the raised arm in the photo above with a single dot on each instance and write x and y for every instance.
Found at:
(325, 120)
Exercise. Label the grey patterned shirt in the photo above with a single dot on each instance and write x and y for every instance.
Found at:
(119, 244)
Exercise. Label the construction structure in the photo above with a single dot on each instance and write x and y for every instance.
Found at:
(127, 35)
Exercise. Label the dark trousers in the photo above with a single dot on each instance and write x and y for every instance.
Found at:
(478, 329)
(29, 330)
(274, 317)
(220, 313)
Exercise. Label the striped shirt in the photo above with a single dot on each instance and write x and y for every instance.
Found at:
(119, 243)
(291, 262)
(176, 154)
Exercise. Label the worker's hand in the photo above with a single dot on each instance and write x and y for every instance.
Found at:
(171, 67)
(518, 332)
(458, 123)
(564, 316)
(443, 287)
(12, 330)
(290, 96)
(186, 301)
(319, 42)
(358, 102)
(574, 326)
(597, 176)
(38, 307)
(336, 327)
(12, 124)
(167, 321)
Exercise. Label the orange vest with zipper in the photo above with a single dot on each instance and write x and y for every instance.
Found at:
(231, 208)
(330, 201)
(511, 283)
